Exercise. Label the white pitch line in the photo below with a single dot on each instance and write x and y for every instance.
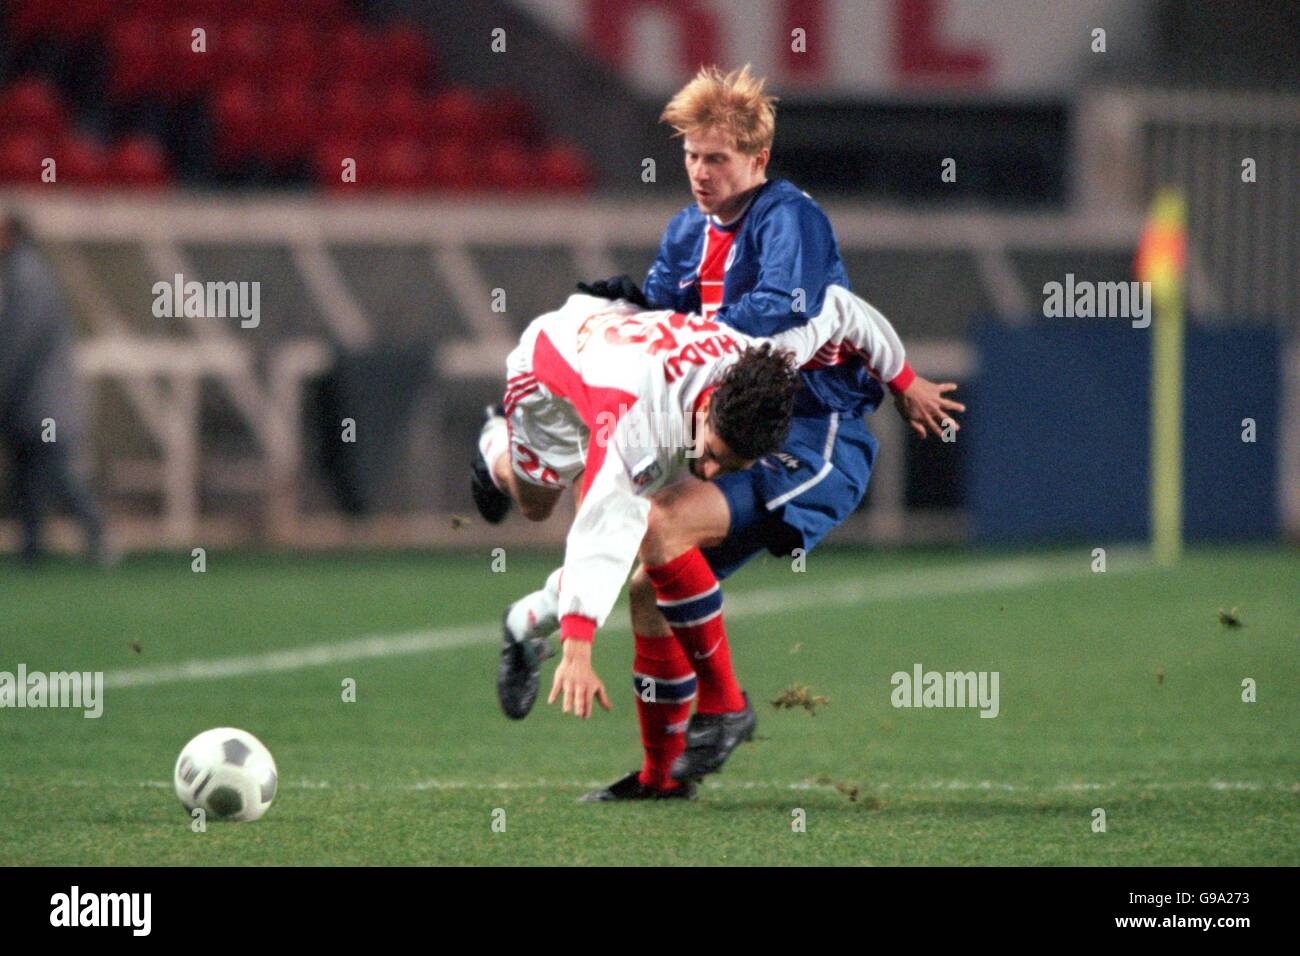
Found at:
(899, 586)
(930, 786)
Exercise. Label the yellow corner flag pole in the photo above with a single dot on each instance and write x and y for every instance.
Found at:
(1160, 261)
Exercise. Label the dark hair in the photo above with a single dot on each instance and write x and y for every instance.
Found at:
(752, 406)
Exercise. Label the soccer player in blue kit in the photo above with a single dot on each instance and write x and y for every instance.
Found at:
(755, 254)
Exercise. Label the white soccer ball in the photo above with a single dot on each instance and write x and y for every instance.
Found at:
(227, 773)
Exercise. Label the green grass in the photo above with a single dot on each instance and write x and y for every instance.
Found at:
(411, 773)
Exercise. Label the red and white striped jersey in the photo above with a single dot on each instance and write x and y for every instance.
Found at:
(635, 379)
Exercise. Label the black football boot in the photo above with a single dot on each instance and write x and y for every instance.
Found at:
(710, 739)
(520, 671)
(631, 788)
(492, 503)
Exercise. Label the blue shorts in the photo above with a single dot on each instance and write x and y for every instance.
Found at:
(792, 498)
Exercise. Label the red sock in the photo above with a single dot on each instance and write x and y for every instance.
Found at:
(664, 685)
(689, 598)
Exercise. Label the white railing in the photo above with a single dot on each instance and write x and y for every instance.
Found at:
(160, 378)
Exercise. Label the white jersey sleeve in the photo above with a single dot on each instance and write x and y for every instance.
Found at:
(849, 327)
(602, 544)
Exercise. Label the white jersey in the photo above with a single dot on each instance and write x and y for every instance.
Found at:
(633, 380)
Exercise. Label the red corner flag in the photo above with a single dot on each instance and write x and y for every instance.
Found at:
(1162, 251)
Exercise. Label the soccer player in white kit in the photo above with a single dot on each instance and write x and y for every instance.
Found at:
(631, 401)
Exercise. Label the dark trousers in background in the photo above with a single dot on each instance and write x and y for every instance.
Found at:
(42, 479)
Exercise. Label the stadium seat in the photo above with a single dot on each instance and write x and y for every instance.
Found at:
(32, 105)
(509, 166)
(296, 52)
(135, 59)
(400, 165)
(139, 162)
(188, 73)
(400, 112)
(21, 155)
(449, 166)
(354, 55)
(82, 161)
(406, 57)
(243, 49)
(564, 168)
(289, 127)
(347, 113)
(508, 117)
(458, 112)
(31, 19)
(80, 20)
(237, 117)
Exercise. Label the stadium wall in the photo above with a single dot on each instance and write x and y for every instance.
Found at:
(1060, 444)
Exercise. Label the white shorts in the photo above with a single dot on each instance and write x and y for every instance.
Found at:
(548, 439)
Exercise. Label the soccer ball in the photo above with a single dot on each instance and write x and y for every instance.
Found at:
(227, 773)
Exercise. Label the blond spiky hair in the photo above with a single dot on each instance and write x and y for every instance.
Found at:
(734, 104)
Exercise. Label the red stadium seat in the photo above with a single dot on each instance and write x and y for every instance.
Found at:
(207, 13)
(81, 161)
(324, 12)
(400, 165)
(457, 112)
(507, 116)
(271, 12)
(135, 59)
(30, 19)
(139, 162)
(290, 123)
(32, 105)
(243, 49)
(347, 111)
(354, 55)
(188, 73)
(81, 19)
(21, 156)
(510, 166)
(406, 56)
(400, 112)
(450, 166)
(296, 53)
(237, 114)
(563, 167)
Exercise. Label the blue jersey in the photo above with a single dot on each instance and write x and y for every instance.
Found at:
(781, 250)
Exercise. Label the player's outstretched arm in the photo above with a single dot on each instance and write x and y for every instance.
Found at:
(598, 555)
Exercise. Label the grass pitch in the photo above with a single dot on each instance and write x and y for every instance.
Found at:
(1119, 690)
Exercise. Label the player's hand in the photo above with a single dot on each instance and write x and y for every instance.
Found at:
(577, 682)
(925, 405)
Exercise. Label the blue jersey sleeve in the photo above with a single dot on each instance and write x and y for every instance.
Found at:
(661, 282)
(798, 258)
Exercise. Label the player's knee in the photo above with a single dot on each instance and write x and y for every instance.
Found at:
(640, 590)
(658, 533)
(668, 528)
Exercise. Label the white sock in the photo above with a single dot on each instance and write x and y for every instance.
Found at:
(492, 443)
(536, 614)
